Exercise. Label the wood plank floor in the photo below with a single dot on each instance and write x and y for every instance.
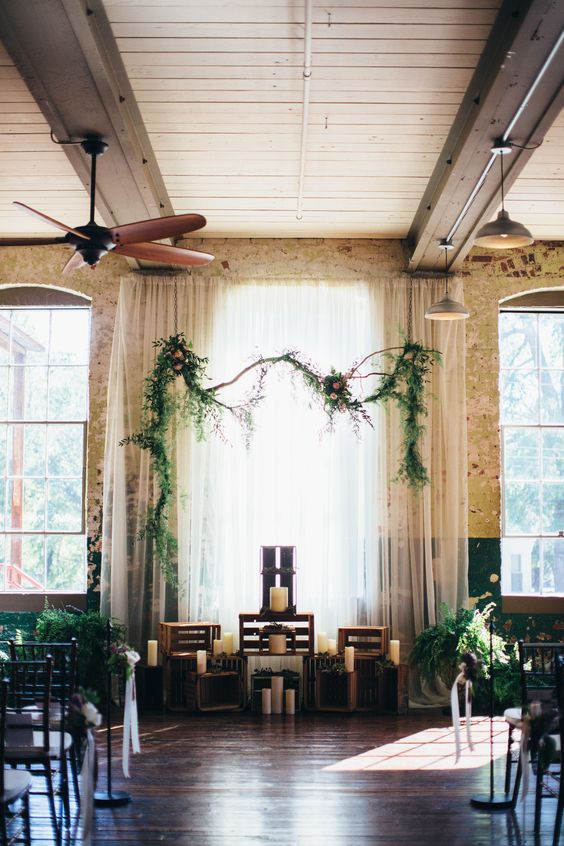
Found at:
(331, 779)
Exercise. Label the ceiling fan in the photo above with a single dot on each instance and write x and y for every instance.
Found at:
(91, 242)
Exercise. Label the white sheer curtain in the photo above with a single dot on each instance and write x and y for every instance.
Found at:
(369, 550)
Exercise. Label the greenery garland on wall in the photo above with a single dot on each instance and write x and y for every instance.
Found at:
(404, 384)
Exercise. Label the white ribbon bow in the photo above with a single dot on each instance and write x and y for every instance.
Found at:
(130, 720)
(461, 679)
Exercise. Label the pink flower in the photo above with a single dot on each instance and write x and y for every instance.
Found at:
(333, 396)
(337, 385)
(178, 365)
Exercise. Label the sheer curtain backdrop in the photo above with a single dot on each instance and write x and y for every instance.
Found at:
(369, 550)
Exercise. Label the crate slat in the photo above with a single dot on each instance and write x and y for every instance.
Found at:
(250, 626)
(185, 638)
(371, 640)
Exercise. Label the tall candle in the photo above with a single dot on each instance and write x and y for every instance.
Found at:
(266, 700)
(332, 646)
(152, 653)
(395, 651)
(349, 659)
(217, 647)
(201, 661)
(277, 644)
(290, 701)
(228, 643)
(322, 642)
(278, 598)
(277, 686)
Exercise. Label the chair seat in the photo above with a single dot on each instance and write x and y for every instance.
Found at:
(514, 716)
(36, 752)
(16, 783)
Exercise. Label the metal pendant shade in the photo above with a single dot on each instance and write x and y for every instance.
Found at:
(503, 233)
(446, 308)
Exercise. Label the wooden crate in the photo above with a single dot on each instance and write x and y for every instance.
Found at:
(336, 691)
(292, 681)
(277, 568)
(264, 642)
(179, 672)
(184, 638)
(250, 626)
(394, 690)
(221, 691)
(367, 640)
(368, 671)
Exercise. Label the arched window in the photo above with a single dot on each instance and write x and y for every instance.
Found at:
(44, 356)
(531, 344)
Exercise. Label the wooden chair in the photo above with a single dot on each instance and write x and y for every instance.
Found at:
(30, 688)
(14, 784)
(536, 667)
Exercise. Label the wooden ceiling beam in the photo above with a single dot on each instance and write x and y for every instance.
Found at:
(524, 36)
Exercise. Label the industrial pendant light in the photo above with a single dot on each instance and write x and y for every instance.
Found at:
(503, 233)
(446, 308)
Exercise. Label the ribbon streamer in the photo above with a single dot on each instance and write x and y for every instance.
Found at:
(130, 720)
(87, 784)
(461, 679)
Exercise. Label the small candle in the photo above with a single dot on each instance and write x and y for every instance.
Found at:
(322, 642)
(332, 646)
(290, 701)
(266, 700)
(277, 644)
(277, 686)
(152, 653)
(217, 647)
(278, 598)
(201, 661)
(395, 651)
(349, 659)
(228, 643)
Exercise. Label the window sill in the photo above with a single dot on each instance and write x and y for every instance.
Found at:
(535, 604)
(35, 602)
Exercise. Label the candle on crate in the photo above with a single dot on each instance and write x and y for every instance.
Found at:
(278, 598)
(277, 687)
(277, 644)
(217, 647)
(332, 646)
(152, 653)
(201, 661)
(395, 652)
(228, 643)
(290, 701)
(266, 700)
(349, 659)
(322, 642)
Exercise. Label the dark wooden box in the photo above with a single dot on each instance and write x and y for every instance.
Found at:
(185, 638)
(277, 568)
(250, 626)
(179, 672)
(367, 640)
(336, 691)
(394, 690)
(149, 685)
(221, 691)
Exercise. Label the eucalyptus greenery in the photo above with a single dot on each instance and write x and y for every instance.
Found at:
(164, 406)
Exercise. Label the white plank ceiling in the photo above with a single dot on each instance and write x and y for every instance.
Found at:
(219, 86)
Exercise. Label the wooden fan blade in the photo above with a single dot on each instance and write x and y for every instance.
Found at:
(56, 223)
(30, 242)
(164, 253)
(74, 263)
(159, 227)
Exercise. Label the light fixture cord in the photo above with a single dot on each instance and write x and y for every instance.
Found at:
(446, 271)
(410, 312)
(502, 191)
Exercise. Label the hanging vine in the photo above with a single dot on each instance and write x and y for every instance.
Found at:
(404, 384)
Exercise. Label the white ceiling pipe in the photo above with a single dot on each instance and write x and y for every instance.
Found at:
(305, 104)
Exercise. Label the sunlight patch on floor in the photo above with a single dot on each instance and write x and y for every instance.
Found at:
(432, 749)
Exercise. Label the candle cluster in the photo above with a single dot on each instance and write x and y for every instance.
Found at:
(273, 697)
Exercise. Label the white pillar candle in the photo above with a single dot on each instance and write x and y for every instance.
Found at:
(349, 659)
(266, 700)
(291, 701)
(217, 647)
(322, 642)
(277, 644)
(395, 652)
(278, 598)
(228, 643)
(201, 661)
(332, 646)
(152, 653)
(277, 687)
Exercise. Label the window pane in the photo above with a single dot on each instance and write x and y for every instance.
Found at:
(553, 565)
(67, 393)
(4, 377)
(64, 505)
(70, 336)
(519, 397)
(33, 562)
(518, 340)
(552, 396)
(3, 516)
(26, 450)
(553, 507)
(522, 508)
(520, 565)
(521, 454)
(30, 336)
(553, 454)
(65, 563)
(28, 393)
(65, 452)
(551, 339)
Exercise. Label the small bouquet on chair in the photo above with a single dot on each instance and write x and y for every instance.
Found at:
(83, 716)
(468, 668)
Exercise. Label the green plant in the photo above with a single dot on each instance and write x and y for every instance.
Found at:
(90, 630)
(437, 651)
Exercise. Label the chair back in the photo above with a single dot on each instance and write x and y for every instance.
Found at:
(537, 665)
(29, 693)
(65, 666)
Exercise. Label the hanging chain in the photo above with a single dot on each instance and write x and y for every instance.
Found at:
(175, 308)
(410, 311)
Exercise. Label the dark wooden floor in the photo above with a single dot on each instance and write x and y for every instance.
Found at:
(240, 778)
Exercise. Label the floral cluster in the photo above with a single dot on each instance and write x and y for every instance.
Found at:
(122, 659)
(177, 351)
(337, 394)
(82, 715)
